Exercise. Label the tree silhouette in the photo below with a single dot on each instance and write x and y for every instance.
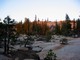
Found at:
(8, 32)
(66, 26)
(73, 28)
(1, 33)
(26, 26)
(67, 17)
(34, 27)
(57, 29)
(63, 29)
(78, 26)
(19, 28)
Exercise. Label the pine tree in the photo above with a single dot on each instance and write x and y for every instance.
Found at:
(57, 29)
(66, 26)
(8, 32)
(74, 27)
(78, 26)
(35, 27)
(26, 26)
(1, 33)
(63, 29)
(67, 17)
(19, 28)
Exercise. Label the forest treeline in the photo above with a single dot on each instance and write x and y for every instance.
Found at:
(32, 28)
(67, 27)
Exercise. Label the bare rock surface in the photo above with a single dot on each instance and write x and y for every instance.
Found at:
(70, 51)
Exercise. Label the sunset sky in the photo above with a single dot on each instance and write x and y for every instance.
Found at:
(51, 9)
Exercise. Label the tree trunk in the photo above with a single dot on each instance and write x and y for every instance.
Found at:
(5, 46)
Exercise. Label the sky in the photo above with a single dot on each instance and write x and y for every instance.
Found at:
(44, 9)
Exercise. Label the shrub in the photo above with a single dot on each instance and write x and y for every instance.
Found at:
(64, 41)
(50, 56)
